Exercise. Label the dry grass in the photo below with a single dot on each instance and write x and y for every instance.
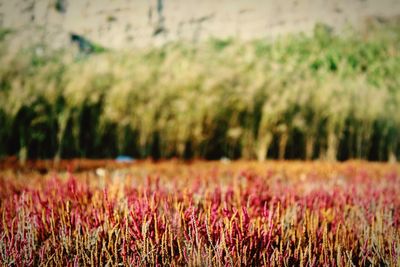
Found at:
(324, 96)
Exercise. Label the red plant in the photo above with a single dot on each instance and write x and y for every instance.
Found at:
(204, 214)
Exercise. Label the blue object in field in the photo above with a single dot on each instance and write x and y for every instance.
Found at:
(123, 158)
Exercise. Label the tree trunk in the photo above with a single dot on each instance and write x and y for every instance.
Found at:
(392, 157)
(359, 143)
(392, 152)
(310, 140)
(247, 151)
(23, 155)
(263, 145)
(62, 125)
(331, 152)
(282, 145)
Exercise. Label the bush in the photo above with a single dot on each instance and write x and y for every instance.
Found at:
(321, 96)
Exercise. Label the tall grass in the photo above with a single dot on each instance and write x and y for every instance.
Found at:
(320, 96)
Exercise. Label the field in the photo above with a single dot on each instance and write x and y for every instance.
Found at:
(199, 213)
(212, 130)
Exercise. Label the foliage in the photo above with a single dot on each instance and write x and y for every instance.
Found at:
(320, 96)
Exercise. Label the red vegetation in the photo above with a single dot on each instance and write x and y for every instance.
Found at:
(282, 214)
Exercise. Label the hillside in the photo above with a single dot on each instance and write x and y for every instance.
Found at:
(126, 24)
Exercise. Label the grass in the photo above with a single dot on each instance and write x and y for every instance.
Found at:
(213, 214)
(323, 96)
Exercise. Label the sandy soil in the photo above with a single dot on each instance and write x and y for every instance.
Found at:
(123, 24)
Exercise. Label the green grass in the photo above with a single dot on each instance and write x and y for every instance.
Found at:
(320, 96)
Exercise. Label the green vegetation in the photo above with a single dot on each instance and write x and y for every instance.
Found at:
(305, 97)
(4, 33)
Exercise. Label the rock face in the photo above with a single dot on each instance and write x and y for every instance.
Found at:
(130, 23)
